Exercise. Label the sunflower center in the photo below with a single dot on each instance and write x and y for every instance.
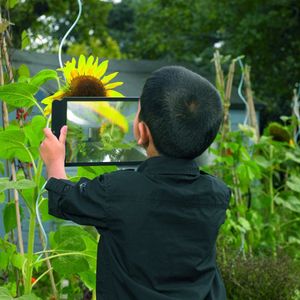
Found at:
(87, 86)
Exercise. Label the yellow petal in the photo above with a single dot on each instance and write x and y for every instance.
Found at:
(74, 73)
(101, 69)
(57, 96)
(47, 110)
(81, 64)
(112, 93)
(90, 61)
(90, 71)
(109, 77)
(96, 63)
(113, 85)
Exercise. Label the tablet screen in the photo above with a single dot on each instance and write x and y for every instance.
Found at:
(101, 132)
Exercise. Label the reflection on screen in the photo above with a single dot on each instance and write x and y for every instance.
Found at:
(101, 131)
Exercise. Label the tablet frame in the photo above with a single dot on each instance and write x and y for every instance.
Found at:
(59, 119)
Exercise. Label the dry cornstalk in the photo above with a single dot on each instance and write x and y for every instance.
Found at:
(226, 123)
(250, 100)
(219, 73)
(225, 88)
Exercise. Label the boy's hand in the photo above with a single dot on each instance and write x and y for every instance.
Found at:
(52, 151)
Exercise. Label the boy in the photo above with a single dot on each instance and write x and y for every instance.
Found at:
(158, 224)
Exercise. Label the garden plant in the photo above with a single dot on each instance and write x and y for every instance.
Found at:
(259, 244)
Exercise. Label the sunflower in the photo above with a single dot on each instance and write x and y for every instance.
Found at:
(87, 79)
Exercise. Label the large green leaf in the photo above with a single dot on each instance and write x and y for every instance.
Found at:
(18, 260)
(245, 225)
(12, 3)
(4, 260)
(43, 76)
(5, 294)
(294, 183)
(25, 40)
(12, 145)
(9, 216)
(6, 184)
(292, 203)
(23, 71)
(293, 157)
(70, 238)
(89, 279)
(18, 94)
(43, 208)
(71, 264)
(29, 297)
(34, 130)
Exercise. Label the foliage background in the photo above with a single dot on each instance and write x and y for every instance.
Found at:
(263, 220)
(266, 32)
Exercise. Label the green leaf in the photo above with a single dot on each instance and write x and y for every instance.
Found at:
(72, 264)
(43, 208)
(43, 76)
(245, 224)
(294, 183)
(291, 156)
(25, 39)
(18, 94)
(29, 297)
(5, 294)
(6, 184)
(18, 260)
(12, 145)
(292, 203)
(23, 71)
(34, 130)
(4, 260)
(11, 3)
(69, 238)
(263, 162)
(9, 216)
(89, 279)
(293, 240)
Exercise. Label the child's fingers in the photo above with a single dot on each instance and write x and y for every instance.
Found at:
(63, 134)
(48, 133)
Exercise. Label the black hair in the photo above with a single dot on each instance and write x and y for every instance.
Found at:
(182, 110)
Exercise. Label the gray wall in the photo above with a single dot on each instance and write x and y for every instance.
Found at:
(133, 73)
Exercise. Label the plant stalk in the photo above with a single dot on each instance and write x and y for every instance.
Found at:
(50, 269)
(271, 186)
(30, 249)
(5, 125)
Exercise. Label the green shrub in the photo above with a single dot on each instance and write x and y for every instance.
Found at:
(261, 278)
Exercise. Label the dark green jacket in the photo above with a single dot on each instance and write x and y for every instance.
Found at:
(158, 229)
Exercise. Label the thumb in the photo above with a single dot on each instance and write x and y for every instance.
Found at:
(63, 134)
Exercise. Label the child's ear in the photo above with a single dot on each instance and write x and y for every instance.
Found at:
(144, 134)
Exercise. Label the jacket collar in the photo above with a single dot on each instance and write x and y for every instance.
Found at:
(168, 165)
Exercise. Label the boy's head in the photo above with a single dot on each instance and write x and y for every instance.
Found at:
(181, 110)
